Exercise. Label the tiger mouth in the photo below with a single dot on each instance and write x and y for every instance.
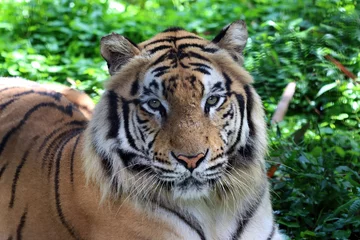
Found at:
(190, 182)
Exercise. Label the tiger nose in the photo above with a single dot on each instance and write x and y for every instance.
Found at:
(190, 162)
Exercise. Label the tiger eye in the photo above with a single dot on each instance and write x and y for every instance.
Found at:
(212, 101)
(154, 104)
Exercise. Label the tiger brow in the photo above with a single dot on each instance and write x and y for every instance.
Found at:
(194, 55)
(159, 48)
(148, 91)
(217, 87)
(158, 69)
(195, 45)
(200, 65)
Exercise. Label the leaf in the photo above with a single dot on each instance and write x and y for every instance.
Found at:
(307, 233)
(355, 207)
(289, 224)
(326, 88)
(340, 151)
(341, 234)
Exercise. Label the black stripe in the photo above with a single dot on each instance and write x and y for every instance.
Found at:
(126, 157)
(216, 165)
(3, 168)
(70, 132)
(18, 171)
(141, 134)
(241, 103)
(60, 213)
(220, 35)
(173, 29)
(145, 110)
(228, 82)
(141, 121)
(246, 152)
(21, 226)
(229, 113)
(190, 45)
(272, 232)
(171, 39)
(47, 138)
(202, 70)
(200, 65)
(154, 84)
(67, 110)
(10, 238)
(210, 50)
(160, 69)
(195, 45)
(135, 128)
(134, 44)
(54, 95)
(244, 218)
(8, 88)
(113, 116)
(188, 220)
(134, 87)
(163, 169)
(159, 59)
(72, 160)
(249, 107)
(151, 143)
(183, 65)
(126, 113)
(106, 165)
(105, 161)
(194, 55)
(159, 48)
(159, 74)
(217, 86)
(4, 105)
(49, 154)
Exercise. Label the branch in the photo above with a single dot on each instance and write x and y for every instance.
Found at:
(342, 68)
(283, 105)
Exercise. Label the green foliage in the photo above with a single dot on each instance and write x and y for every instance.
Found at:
(316, 188)
(318, 184)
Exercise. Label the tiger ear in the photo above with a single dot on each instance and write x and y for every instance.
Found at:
(233, 38)
(117, 51)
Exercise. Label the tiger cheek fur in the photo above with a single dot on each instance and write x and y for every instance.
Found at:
(174, 149)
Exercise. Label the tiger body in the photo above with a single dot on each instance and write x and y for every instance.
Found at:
(174, 150)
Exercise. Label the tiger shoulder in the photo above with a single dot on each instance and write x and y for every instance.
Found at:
(173, 150)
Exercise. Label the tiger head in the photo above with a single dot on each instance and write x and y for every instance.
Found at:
(179, 117)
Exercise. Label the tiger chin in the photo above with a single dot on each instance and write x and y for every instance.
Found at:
(174, 150)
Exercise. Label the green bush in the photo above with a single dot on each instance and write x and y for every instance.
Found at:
(316, 188)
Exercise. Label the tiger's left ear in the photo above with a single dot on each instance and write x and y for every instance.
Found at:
(233, 39)
(117, 51)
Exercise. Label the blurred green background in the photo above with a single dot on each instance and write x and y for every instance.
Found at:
(316, 188)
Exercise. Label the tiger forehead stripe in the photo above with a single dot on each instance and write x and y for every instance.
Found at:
(171, 40)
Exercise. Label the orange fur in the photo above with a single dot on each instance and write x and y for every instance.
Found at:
(27, 185)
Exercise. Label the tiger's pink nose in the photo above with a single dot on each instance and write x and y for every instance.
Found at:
(190, 162)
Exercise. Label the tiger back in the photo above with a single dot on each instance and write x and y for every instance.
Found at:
(174, 150)
(42, 184)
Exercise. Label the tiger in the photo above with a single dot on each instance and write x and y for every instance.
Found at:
(175, 148)
(81, 100)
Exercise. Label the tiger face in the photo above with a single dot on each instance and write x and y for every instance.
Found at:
(177, 114)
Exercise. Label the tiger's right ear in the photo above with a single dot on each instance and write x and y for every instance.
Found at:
(117, 51)
(233, 38)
